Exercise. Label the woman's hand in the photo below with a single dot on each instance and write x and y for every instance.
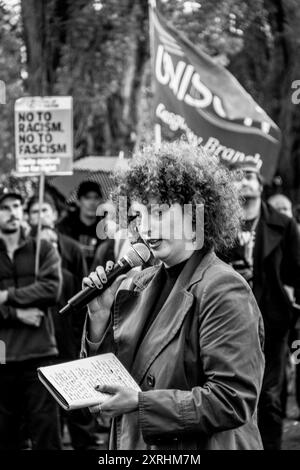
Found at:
(123, 400)
(98, 278)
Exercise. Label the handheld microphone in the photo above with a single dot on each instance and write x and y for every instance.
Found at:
(137, 255)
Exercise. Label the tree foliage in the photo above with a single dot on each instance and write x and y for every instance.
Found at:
(10, 74)
(98, 52)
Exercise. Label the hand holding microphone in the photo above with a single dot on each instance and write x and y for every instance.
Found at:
(106, 295)
(101, 286)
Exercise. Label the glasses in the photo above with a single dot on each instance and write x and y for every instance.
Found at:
(239, 175)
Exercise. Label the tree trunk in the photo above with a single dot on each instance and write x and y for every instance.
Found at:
(33, 17)
(122, 107)
(44, 30)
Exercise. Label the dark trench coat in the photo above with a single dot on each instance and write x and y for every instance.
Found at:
(200, 365)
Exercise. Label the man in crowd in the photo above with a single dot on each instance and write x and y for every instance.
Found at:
(26, 330)
(267, 254)
(284, 205)
(81, 225)
(68, 329)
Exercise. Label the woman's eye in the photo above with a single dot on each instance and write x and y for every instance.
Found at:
(135, 216)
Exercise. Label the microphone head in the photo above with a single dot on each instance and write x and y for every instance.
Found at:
(138, 254)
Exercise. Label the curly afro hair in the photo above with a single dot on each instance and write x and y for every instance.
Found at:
(186, 174)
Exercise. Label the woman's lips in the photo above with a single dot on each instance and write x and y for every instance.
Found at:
(154, 243)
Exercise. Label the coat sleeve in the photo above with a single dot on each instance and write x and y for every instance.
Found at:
(106, 343)
(45, 291)
(230, 340)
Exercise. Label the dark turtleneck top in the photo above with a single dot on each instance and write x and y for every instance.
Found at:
(168, 278)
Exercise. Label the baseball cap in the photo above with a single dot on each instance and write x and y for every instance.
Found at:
(88, 186)
(9, 192)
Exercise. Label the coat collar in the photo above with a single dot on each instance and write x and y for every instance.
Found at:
(23, 240)
(272, 217)
(191, 273)
(272, 227)
(166, 324)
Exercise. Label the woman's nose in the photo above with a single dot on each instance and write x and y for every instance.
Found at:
(150, 227)
(144, 225)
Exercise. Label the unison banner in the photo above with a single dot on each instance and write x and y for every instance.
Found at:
(197, 97)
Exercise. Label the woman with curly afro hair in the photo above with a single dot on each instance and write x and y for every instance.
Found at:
(187, 329)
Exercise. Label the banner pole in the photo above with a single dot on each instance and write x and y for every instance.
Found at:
(151, 6)
(39, 229)
(157, 136)
(157, 127)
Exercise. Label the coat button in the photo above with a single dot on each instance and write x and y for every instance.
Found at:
(150, 381)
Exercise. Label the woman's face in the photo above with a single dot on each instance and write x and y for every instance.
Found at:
(168, 231)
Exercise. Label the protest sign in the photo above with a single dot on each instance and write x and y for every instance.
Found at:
(44, 135)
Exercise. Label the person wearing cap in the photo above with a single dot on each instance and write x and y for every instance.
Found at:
(81, 225)
(26, 330)
(188, 330)
(68, 329)
(267, 255)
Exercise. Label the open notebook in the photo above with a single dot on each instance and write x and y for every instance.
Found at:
(73, 383)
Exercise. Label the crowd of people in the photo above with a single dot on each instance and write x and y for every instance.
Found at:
(206, 331)
(33, 332)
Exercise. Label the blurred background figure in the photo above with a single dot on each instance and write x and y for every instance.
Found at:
(267, 255)
(26, 295)
(82, 425)
(81, 225)
(283, 205)
(73, 267)
(297, 327)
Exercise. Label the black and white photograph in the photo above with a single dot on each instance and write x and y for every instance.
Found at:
(149, 230)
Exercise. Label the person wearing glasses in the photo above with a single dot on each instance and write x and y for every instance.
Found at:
(187, 329)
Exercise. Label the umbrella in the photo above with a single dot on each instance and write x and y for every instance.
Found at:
(97, 169)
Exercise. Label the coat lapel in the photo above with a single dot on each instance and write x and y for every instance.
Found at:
(169, 320)
(161, 332)
(271, 228)
(125, 322)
